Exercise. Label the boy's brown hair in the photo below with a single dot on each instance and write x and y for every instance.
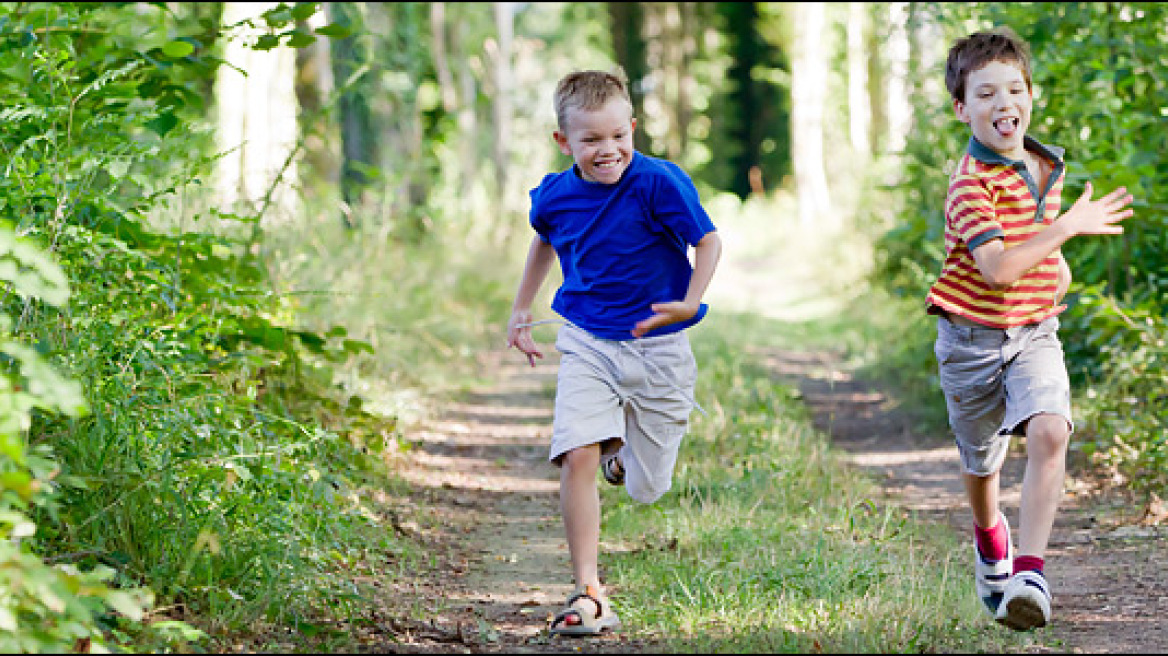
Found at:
(980, 48)
(588, 90)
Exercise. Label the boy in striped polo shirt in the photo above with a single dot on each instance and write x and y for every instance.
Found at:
(997, 300)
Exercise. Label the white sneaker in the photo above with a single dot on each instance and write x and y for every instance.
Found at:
(991, 577)
(1026, 602)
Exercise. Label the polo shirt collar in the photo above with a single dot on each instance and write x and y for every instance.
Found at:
(984, 154)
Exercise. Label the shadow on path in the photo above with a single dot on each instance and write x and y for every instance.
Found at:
(483, 464)
(1109, 575)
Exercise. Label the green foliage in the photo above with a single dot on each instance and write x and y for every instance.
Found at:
(46, 608)
(751, 113)
(203, 473)
(1098, 96)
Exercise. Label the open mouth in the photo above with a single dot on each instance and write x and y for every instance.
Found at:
(1007, 126)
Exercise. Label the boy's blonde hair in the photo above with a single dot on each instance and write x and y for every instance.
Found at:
(588, 90)
(980, 48)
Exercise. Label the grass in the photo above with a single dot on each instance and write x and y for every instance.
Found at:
(768, 542)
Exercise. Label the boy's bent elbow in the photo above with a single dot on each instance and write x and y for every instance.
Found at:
(998, 284)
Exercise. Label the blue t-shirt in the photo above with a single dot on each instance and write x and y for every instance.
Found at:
(622, 247)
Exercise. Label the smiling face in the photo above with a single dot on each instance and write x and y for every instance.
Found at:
(997, 107)
(600, 141)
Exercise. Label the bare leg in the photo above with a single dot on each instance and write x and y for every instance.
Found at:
(580, 507)
(982, 492)
(1047, 436)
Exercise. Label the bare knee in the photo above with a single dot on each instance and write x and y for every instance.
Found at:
(584, 461)
(1047, 434)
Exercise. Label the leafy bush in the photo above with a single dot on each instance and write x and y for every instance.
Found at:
(203, 473)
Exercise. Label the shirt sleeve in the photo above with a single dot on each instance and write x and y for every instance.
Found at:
(970, 212)
(536, 216)
(676, 204)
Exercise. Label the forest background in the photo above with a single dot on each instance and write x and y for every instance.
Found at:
(245, 244)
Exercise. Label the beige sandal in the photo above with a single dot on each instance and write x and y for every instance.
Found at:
(573, 621)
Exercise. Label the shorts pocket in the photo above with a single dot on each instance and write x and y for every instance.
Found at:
(969, 370)
(972, 393)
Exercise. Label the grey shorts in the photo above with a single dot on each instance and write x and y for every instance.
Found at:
(995, 380)
(634, 396)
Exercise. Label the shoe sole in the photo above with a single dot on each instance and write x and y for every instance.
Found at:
(608, 625)
(611, 477)
(1023, 615)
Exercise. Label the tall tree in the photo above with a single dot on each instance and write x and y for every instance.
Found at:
(809, 74)
(501, 101)
(898, 48)
(752, 131)
(358, 144)
(256, 106)
(626, 21)
(859, 109)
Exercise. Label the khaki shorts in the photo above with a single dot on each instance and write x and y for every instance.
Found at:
(994, 381)
(633, 396)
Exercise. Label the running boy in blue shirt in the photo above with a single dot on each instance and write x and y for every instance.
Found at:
(621, 224)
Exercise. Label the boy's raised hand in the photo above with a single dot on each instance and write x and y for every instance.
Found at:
(1099, 217)
(519, 335)
(665, 314)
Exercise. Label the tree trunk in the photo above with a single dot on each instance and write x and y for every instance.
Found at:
(808, 94)
(357, 148)
(877, 76)
(256, 116)
(687, 48)
(859, 111)
(504, 27)
(465, 116)
(628, 42)
(898, 49)
(441, 65)
(314, 85)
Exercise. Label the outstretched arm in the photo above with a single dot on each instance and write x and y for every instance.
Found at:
(1002, 267)
(539, 261)
(706, 255)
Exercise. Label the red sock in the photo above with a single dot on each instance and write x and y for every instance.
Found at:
(993, 542)
(1033, 563)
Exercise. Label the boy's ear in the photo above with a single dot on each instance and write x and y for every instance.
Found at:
(562, 142)
(959, 110)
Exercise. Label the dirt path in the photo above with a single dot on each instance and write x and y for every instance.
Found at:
(500, 565)
(1107, 562)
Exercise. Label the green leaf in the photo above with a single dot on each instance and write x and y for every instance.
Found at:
(300, 39)
(355, 346)
(163, 123)
(177, 49)
(334, 31)
(267, 42)
(125, 604)
(303, 10)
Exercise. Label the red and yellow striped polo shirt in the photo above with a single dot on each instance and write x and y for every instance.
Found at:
(991, 196)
